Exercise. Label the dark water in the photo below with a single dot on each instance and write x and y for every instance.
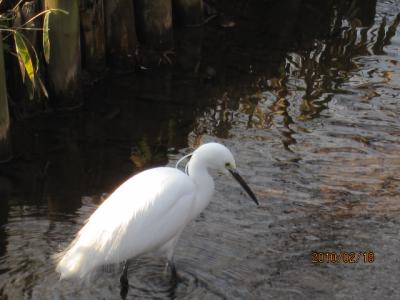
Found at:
(307, 96)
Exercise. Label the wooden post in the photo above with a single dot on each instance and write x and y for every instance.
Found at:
(7, 5)
(65, 55)
(93, 30)
(189, 49)
(188, 12)
(365, 11)
(5, 144)
(120, 33)
(154, 23)
(28, 11)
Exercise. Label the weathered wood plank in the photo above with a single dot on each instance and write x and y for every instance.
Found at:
(65, 53)
(154, 21)
(120, 33)
(5, 143)
(94, 38)
(188, 12)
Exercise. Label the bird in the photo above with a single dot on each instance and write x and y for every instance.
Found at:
(147, 213)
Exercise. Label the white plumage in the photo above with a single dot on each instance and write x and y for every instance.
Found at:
(147, 212)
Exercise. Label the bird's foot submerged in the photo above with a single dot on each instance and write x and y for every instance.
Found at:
(124, 281)
(170, 268)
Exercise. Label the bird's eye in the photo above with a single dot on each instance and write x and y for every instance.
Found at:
(227, 165)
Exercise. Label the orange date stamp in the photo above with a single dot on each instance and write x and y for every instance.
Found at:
(318, 257)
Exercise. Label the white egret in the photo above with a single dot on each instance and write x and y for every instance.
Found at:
(148, 212)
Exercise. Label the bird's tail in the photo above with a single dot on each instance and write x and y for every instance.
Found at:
(72, 262)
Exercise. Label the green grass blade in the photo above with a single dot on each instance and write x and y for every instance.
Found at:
(21, 66)
(44, 90)
(24, 57)
(46, 40)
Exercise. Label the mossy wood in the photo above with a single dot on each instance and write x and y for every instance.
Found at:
(120, 33)
(28, 11)
(5, 144)
(154, 23)
(93, 30)
(188, 12)
(65, 54)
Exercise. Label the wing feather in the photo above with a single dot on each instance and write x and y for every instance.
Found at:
(141, 215)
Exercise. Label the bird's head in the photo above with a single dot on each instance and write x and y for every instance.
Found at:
(218, 157)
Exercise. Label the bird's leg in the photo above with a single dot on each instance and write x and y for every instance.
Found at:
(124, 277)
(170, 266)
(170, 261)
(168, 249)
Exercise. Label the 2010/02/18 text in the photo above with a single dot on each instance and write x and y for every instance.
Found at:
(318, 257)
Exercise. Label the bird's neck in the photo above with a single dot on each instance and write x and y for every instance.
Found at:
(204, 185)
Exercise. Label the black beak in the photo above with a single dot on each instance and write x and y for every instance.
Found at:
(244, 185)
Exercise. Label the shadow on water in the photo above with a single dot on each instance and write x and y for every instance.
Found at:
(5, 190)
(305, 93)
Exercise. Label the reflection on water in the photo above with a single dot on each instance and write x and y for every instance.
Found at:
(308, 102)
